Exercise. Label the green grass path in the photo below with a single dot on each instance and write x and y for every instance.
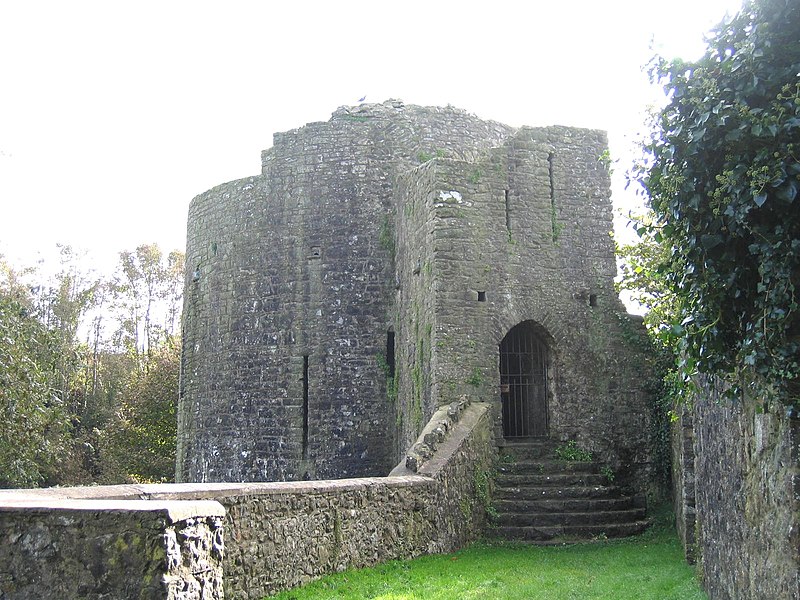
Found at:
(649, 566)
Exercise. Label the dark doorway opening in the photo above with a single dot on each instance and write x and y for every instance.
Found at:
(523, 382)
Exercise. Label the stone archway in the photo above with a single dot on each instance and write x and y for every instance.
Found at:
(524, 359)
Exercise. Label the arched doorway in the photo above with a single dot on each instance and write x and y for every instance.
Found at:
(523, 382)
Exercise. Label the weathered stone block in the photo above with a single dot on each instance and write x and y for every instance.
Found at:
(92, 549)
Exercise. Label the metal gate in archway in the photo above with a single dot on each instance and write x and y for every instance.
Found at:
(523, 383)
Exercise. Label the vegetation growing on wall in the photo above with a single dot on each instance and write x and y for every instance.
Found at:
(722, 171)
(572, 452)
(391, 380)
(475, 377)
(386, 236)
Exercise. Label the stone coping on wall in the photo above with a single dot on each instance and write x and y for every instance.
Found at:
(467, 418)
(147, 495)
(175, 511)
(440, 438)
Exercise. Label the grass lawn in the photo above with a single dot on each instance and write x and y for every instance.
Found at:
(649, 566)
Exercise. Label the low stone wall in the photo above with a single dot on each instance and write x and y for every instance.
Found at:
(747, 491)
(66, 548)
(283, 534)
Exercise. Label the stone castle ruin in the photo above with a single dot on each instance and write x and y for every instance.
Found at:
(387, 334)
(412, 309)
(391, 261)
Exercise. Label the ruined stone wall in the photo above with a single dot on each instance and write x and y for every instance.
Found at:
(520, 234)
(290, 295)
(425, 229)
(277, 535)
(560, 274)
(416, 318)
(285, 313)
(91, 549)
(747, 485)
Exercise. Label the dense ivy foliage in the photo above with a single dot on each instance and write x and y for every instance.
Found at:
(723, 175)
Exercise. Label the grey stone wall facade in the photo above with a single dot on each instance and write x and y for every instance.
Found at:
(369, 275)
(289, 292)
(522, 236)
(747, 489)
(277, 535)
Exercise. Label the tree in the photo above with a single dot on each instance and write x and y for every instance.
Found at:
(723, 173)
(79, 406)
(35, 426)
(641, 268)
(146, 284)
(62, 303)
(137, 440)
(142, 438)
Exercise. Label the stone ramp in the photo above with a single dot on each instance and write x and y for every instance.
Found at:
(541, 499)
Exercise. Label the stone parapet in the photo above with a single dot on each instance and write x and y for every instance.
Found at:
(96, 548)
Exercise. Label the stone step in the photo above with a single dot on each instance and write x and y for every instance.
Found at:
(569, 533)
(526, 450)
(544, 466)
(513, 480)
(538, 519)
(540, 492)
(544, 500)
(522, 505)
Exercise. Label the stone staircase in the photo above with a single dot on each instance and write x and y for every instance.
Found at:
(544, 500)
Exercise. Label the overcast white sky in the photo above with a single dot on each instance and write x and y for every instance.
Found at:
(114, 115)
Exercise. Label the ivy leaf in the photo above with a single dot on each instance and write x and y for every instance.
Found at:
(788, 192)
(710, 241)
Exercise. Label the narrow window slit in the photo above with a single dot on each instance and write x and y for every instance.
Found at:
(508, 211)
(390, 353)
(305, 406)
(481, 296)
(553, 220)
